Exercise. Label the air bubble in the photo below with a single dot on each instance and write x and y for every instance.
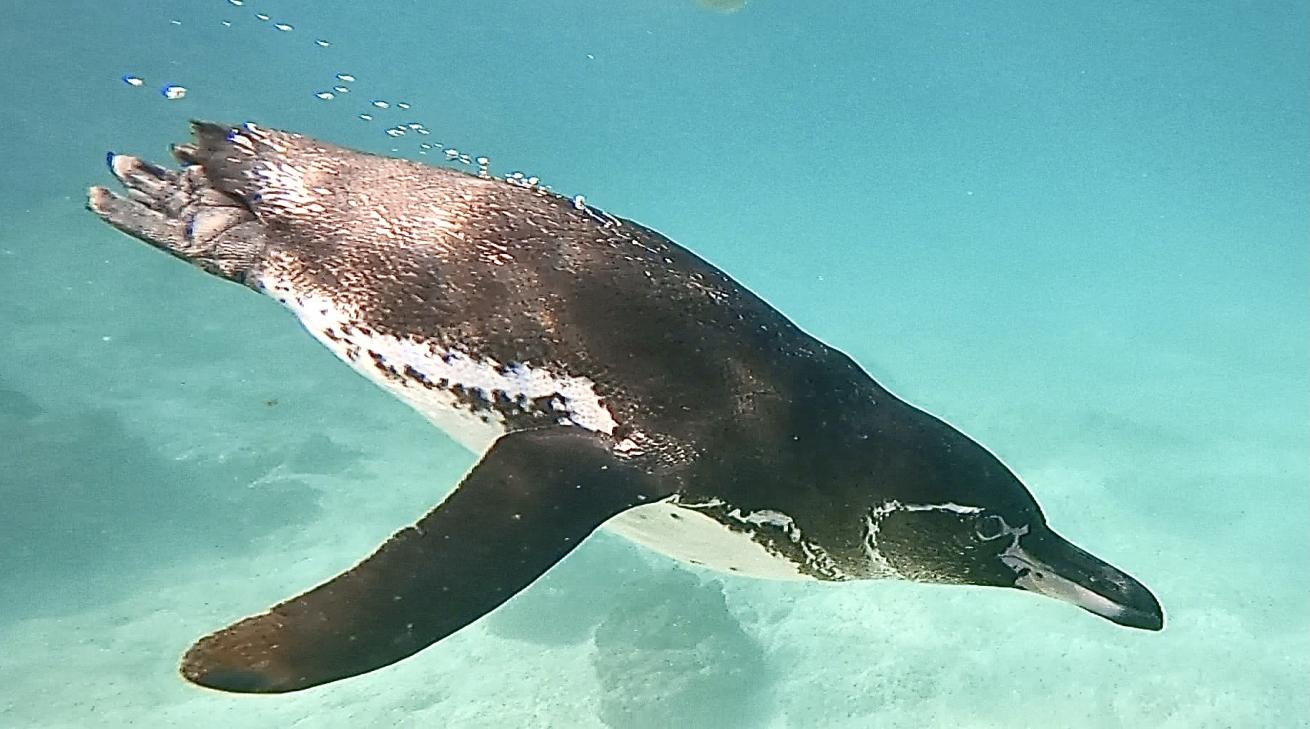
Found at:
(131, 80)
(345, 77)
(173, 91)
(326, 95)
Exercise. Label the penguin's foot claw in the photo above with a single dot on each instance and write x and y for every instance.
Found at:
(146, 183)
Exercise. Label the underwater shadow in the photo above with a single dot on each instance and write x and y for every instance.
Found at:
(669, 654)
(87, 507)
(569, 601)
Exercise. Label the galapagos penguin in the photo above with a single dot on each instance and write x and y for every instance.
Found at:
(605, 376)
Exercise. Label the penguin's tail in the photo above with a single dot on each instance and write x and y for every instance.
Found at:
(199, 213)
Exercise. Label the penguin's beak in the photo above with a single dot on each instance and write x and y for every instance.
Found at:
(1050, 565)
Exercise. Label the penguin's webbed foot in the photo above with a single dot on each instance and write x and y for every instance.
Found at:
(180, 212)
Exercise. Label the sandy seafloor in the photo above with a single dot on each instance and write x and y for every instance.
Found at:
(1078, 232)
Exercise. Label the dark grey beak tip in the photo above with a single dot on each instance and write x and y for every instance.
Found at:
(1152, 619)
(1138, 606)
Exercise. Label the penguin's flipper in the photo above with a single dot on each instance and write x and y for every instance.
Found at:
(532, 498)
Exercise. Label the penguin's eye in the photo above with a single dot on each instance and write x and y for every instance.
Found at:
(989, 527)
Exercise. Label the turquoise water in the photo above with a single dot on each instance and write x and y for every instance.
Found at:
(1078, 231)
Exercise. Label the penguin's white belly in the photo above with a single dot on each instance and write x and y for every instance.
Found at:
(440, 407)
(468, 398)
(690, 536)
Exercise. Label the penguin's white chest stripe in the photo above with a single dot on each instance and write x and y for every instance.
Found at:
(690, 536)
(472, 400)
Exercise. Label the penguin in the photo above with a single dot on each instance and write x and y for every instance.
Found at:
(604, 375)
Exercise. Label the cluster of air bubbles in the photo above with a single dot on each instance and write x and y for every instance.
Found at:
(395, 131)
(454, 155)
(390, 113)
(482, 164)
(281, 26)
(172, 92)
(518, 179)
(338, 89)
(341, 85)
(401, 130)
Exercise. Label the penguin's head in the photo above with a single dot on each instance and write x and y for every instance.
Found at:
(947, 510)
